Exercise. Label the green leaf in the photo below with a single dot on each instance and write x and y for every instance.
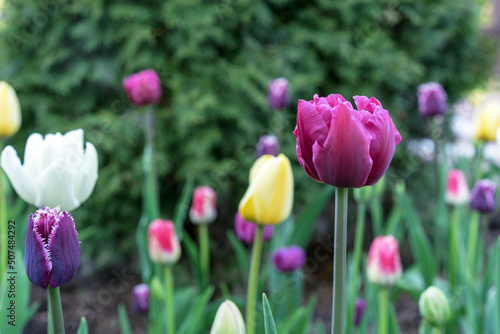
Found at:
(194, 317)
(124, 322)
(182, 207)
(141, 238)
(241, 252)
(320, 328)
(83, 329)
(193, 254)
(269, 324)
(305, 222)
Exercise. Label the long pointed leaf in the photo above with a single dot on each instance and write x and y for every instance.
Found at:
(182, 207)
(269, 324)
(124, 322)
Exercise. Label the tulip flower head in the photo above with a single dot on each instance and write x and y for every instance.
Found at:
(268, 144)
(269, 197)
(360, 306)
(10, 111)
(228, 320)
(457, 188)
(245, 230)
(140, 298)
(204, 207)
(143, 88)
(434, 306)
(384, 263)
(52, 254)
(431, 99)
(342, 146)
(57, 170)
(483, 196)
(278, 94)
(488, 118)
(288, 259)
(164, 247)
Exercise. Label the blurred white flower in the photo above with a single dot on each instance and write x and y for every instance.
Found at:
(423, 148)
(461, 149)
(57, 170)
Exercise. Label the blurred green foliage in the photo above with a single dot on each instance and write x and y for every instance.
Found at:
(66, 59)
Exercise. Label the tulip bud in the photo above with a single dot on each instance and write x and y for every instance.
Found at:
(434, 306)
(287, 259)
(140, 298)
(163, 245)
(245, 230)
(360, 305)
(431, 99)
(268, 144)
(143, 88)
(157, 289)
(384, 263)
(278, 95)
(269, 197)
(488, 119)
(10, 111)
(228, 320)
(52, 254)
(203, 209)
(457, 189)
(483, 196)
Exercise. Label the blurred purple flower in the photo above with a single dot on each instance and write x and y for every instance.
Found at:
(483, 196)
(278, 95)
(245, 230)
(140, 298)
(431, 99)
(52, 248)
(289, 258)
(360, 305)
(268, 144)
(143, 88)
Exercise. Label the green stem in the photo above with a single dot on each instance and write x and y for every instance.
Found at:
(203, 239)
(339, 261)
(452, 273)
(383, 315)
(149, 166)
(356, 259)
(3, 222)
(479, 159)
(56, 310)
(472, 242)
(253, 279)
(169, 299)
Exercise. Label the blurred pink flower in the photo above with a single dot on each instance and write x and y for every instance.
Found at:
(163, 245)
(384, 263)
(342, 146)
(457, 188)
(204, 206)
(143, 88)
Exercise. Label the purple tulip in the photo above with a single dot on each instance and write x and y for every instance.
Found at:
(52, 248)
(360, 305)
(483, 196)
(143, 88)
(140, 298)
(342, 146)
(431, 99)
(278, 95)
(245, 230)
(268, 144)
(289, 258)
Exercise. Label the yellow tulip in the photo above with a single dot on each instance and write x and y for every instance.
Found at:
(10, 111)
(269, 197)
(488, 119)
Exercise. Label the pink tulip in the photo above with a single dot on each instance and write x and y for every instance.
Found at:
(342, 146)
(204, 206)
(457, 188)
(143, 88)
(384, 263)
(163, 245)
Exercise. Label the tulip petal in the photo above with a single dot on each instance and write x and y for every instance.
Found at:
(36, 260)
(56, 186)
(64, 249)
(88, 174)
(382, 146)
(33, 154)
(21, 180)
(344, 158)
(311, 127)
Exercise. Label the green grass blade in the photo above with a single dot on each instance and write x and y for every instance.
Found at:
(269, 324)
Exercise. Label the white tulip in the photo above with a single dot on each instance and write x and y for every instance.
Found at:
(56, 171)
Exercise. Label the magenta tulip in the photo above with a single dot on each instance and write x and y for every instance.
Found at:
(245, 230)
(143, 88)
(288, 259)
(267, 144)
(431, 99)
(342, 146)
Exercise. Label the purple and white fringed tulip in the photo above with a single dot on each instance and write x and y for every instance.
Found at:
(52, 248)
